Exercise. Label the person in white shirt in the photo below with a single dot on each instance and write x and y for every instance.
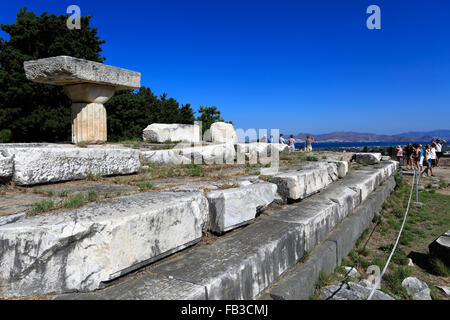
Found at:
(291, 142)
(433, 155)
(439, 143)
(282, 140)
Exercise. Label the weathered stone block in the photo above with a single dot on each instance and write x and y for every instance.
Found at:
(318, 218)
(159, 132)
(210, 154)
(221, 132)
(369, 158)
(89, 85)
(51, 164)
(145, 287)
(234, 207)
(342, 167)
(77, 250)
(440, 248)
(242, 265)
(164, 157)
(348, 232)
(6, 166)
(64, 70)
(299, 284)
(306, 180)
(417, 289)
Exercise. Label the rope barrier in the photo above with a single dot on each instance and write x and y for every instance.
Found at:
(398, 237)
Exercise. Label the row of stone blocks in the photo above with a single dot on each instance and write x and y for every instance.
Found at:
(299, 282)
(29, 164)
(244, 264)
(80, 249)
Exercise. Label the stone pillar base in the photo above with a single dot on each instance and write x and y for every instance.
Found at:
(89, 123)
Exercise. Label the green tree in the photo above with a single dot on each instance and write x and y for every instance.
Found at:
(186, 114)
(208, 115)
(33, 111)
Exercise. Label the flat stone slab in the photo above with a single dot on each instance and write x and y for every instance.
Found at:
(78, 250)
(299, 282)
(208, 154)
(241, 265)
(234, 207)
(146, 287)
(304, 180)
(39, 165)
(65, 70)
(161, 132)
(317, 218)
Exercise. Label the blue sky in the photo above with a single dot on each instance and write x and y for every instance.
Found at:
(300, 66)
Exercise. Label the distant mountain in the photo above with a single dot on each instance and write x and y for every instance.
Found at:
(444, 134)
(356, 137)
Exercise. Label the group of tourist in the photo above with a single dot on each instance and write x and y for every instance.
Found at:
(415, 156)
(291, 142)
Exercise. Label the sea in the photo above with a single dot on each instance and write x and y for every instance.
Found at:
(350, 145)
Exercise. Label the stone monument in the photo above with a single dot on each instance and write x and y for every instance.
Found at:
(89, 85)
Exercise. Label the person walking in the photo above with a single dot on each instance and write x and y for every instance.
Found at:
(439, 143)
(416, 157)
(428, 162)
(291, 142)
(409, 151)
(433, 156)
(308, 143)
(421, 158)
(400, 155)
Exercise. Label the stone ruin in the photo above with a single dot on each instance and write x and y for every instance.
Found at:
(89, 85)
(81, 250)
